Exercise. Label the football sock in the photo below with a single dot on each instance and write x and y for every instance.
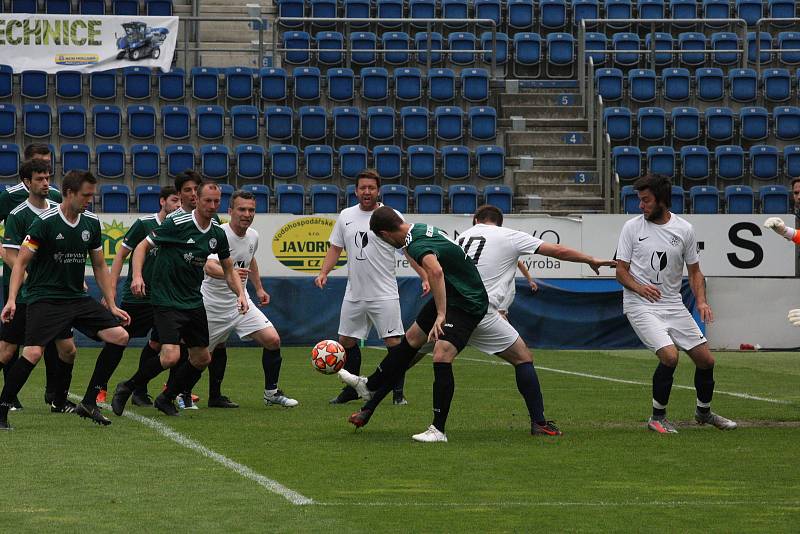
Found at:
(51, 369)
(10, 363)
(353, 359)
(104, 367)
(64, 382)
(531, 391)
(216, 371)
(186, 376)
(400, 383)
(146, 372)
(148, 353)
(662, 385)
(396, 361)
(704, 384)
(377, 397)
(174, 370)
(15, 379)
(444, 386)
(271, 362)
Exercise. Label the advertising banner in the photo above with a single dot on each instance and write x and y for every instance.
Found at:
(86, 42)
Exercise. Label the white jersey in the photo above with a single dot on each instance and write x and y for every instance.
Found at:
(657, 254)
(495, 251)
(216, 293)
(371, 261)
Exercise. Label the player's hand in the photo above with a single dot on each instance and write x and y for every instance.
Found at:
(321, 280)
(706, 315)
(243, 273)
(8, 312)
(436, 330)
(651, 293)
(595, 264)
(138, 287)
(776, 224)
(242, 304)
(533, 285)
(125, 319)
(794, 317)
(263, 297)
(426, 288)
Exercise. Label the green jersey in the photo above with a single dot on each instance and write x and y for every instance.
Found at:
(181, 211)
(17, 194)
(17, 224)
(182, 251)
(462, 280)
(60, 247)
(138, 232)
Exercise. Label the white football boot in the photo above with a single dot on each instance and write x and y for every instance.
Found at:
(432, 435)
(358, 383)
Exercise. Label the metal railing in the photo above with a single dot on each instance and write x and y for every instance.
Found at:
(193, 20)
(771, 50)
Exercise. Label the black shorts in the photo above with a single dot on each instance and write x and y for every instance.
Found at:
(47, 319)
(14, 332)
(458, 325)
(175, 325)
(142, 319)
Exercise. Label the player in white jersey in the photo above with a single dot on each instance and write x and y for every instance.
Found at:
(371, 298)
(652, 250)
(221, 305)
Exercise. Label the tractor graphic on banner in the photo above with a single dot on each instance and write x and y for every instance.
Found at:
(140, 41)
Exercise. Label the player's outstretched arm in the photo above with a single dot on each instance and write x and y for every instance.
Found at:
(235, 284)
(331, 257)
(526, 273)
(137, 262)
(24, 257)
(255, 279)
(436, 279)
(794, 317)
(570, 254)
(698, 284)
(777, 225)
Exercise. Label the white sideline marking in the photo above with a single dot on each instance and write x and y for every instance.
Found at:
(557, 504)
(240, 469)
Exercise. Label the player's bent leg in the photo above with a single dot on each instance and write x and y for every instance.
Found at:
(216, 374)
(352, 364)
(7, 351)
(271, 362)
(704, 386)
(15, 380)
(662, 387)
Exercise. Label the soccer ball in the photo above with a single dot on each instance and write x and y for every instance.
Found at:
(328, 357)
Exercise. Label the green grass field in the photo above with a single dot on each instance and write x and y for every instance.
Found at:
(605, 473)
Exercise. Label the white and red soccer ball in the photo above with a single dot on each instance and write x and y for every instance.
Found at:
(328, 357)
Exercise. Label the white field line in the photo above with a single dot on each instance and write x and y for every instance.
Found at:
(559, 504)
(240, 469)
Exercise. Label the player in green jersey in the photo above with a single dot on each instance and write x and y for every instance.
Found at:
(184, 243)
(54, 255)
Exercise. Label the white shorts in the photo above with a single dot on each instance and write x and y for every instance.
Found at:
(661, 328)
(493, 334)
(357, 318)
(221, 324)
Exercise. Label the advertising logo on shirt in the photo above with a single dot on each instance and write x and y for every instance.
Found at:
(301, 244)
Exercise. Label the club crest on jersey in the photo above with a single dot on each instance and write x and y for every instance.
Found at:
(212, 243)
(251, 248)
(188, 257)
(674, 241)
(658, 262)
(361, 241)
(85, 236)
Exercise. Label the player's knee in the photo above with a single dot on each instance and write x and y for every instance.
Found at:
(67, 353)
(6, 351)
(170, 357)
(121, 336)
(347, 342)
(155, 345)
(200, 358)
(34, 354)
(273, 341)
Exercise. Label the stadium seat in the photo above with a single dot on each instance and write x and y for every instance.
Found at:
(489, 10)
(145, 162)
(791, 161)
(387, 160)
(210, 122)
(408, 84)
(249, 161)
(608, 84)
(176, 122)
(789, 46)
(749, 10)
(449, 123)
(148, 198)
(677, 83)
(36, 120)
(283, 161)
(158, 8)
(71, 121)
(461, 45)
(357, 9)
(399, 41)
(297, 45)
(650, 9)
(560, 53)
(389, 9)
(455, 162)
(380, 123)
(463, 199)
(6, 81)
(776, 85)
(660, 160)
(678, 200)
(695, 162)
(75, 157)
(324, 198)
(688, 43)
(279, 123)
(262, 194)
(729, 162)
(719, 124)
(290, 198)
(724, 45)
(306, 84)
(441, 85)
(421, 162)
(454, 9)
(205, 83)
(414, 123)
(642, 85)
(362, 48)
(500, 196)
(8, 120)
(69, 84)
(274, 84)
(9, 160)
(475, 85)
(323, 9)
(374, 84)
(490, 162)
(482, 123)
(710, 84)
(329, 45)
(319, 161)
(685, 123)
(421, 43)
(346, 123)
(630, 200)
(787, 123)
(110, 160)
(764, 162)
(739, 199)
(627, 162)
(619, 9)
(313, 122)
(765, 40)
(663, 42)
(244, 122)
(136, 83)
(704, 199)
(395, 196)
(24, 6)
(624, 43)
(125, 7)
(340, 85)
(754, 123)
(527, 49)
(171, 85)
(774, 199)
(617, 123)
(428, 199)
(178, 158)
(499, 53)
(291, 8)
(652, 124)
(352, 160)
(581, 10)
(33, 84)
(141, 121)
(781, 9)
(214, 161)
(226, 191)
(421, 9)
(595, 46)
(115, 198)
(743, 84)
(239, 84)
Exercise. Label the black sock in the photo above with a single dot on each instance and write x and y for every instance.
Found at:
(148, 353)
(704, 384)
(10, 363)
(64, 382)
(52, 369)
(531, 391)
(147, 371)
(444, 385)
(216, 371)
(271, 362)
(352, 361)
(14, 380)
(396, 361)
(186, 376)
(377, 397)
(400, 384)
(174, 370)
(662, 386)
(104, 367)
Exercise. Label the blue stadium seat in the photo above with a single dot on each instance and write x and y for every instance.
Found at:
(457, 43)
(399, 41)
(681, 10)
(791, 161)
(685, 123)
(290, 198)
(395, 196)
(279, 122)
(663, 42)
(749, 10)
(319, 161)
(764, 162)
(729, 162)
(704, 199)
(158, 8)
(69, 84)
(787, 123)
(560, 52)
(178, 158)
(520, 13)
(239, 84)
(125, 7)
(408, 84)
(500, 196)
(421, 162)
(414, 123)
(136, 83)
(274, 84)
(754, 123)
(455, 162)
(9, 160)
(695, 162)
(581, 10)
(421, 9)
(36, 120)
(340, 85)
(375, 84)
(283, 161)
(781, 9)
(262, 194)
(352, 160)
(141, 121)
(380, 123)
(205, 83)
(677, 83)
(774, 199)
(291, 8)
(313, 123)
(33, 84)
(389, 9)
(428, 199)
(719, 123)
(642, 85)
(449, 121)
(329, 45)
(715, 9)
(441, 85)
(171, 85)
(619, 9)
(490, 162)
(660, 160)
(743, 84)
(627, 162)
(362, 48)
(244, 122)
(249, 161)
(630, 200)
(725, 45)
(436, 43)
(226, 192)
(324, 198)
(608, 84)
(147, 198)
(176, 122)
(306, 84)
(678, 200)
(92, 7)
(463, 199)
(110, 160)
(346, 123)
(739, 199)
(617, 123)
(357, 9)
(350, 196)
(623, 43)
(454, 9)
(475, 85)
(145, 162)
(482, 123)
(115, 198)
(6, 81)
(75, 157)
(210, 122)
(323, 9)
(214, 161)
(499, 53)
(489, 9)
(23, 6)
(71, 121)
(387, 160)
(8, 120)
(710, 84)
(650, 9)
(766, 44)
(527, 49)
(776, 85)
(297, 45)
(652, 123)
(595, 45)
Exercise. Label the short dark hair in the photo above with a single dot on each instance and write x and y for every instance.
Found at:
(241, 193)
(488, 213)
(189, 175)
(167, 191)
(31, 166)
(384, 219)
(794, 181)
(73, 181)
(206, 184)
(658, 184)
(369, 174)
(33, 149)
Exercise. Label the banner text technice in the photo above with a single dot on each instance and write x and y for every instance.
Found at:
(47, 32)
